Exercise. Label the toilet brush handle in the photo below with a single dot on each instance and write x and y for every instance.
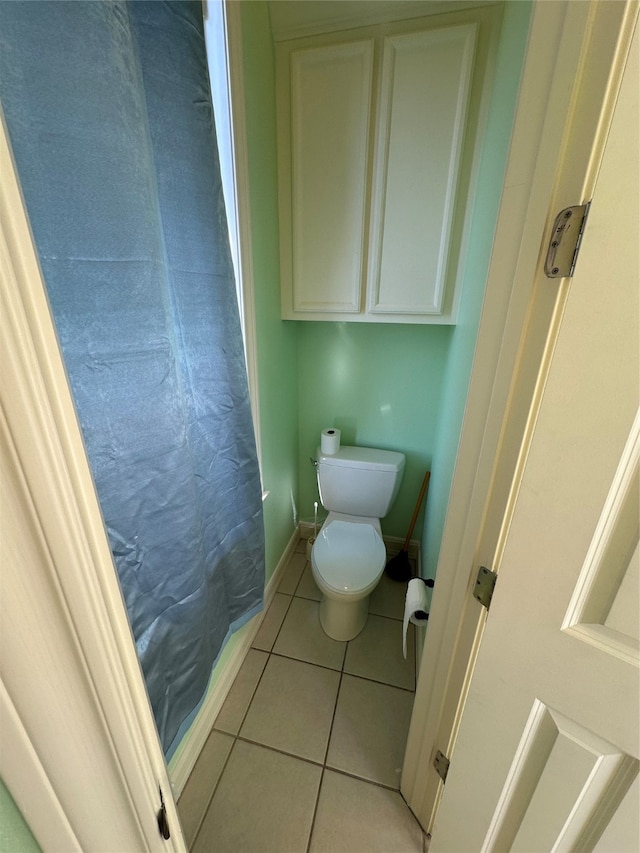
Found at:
(423, 489)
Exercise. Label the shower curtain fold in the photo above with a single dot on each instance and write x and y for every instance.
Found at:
(109, 113)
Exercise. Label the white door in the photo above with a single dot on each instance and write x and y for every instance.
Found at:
(547, 754)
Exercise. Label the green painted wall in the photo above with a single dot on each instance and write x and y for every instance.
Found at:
(381, 385)
(510, 54)
(15, 835)
(276, 340)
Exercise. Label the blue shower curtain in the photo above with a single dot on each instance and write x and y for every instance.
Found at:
(109, 113)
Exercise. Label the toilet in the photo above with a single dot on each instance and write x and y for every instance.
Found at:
(358, 486)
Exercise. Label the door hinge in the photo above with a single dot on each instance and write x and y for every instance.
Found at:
(163, 820)
(441, 763)
(485, 584)
(564, 245)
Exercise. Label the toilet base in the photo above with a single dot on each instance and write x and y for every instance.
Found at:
(343, 620)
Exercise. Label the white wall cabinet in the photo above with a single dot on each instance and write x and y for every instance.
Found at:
(373, 133)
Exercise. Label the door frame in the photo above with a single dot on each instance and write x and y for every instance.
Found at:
(552, 164)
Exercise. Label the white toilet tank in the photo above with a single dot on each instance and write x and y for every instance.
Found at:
(360, 481)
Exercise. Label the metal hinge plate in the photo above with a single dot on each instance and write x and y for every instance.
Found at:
(485, 584)
(441, 763)
(564, 244)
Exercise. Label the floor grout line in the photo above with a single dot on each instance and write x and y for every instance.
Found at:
(322, 765)
(315, 810)
(280, 751)
(213, 793)
(333, 719)
(364, 779)
(342, 670)
(253, 696)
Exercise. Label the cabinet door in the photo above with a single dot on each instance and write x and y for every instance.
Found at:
(424, 100)
(329, 125)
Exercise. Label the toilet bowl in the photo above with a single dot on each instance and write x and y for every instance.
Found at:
(347, 562)
(357, 486)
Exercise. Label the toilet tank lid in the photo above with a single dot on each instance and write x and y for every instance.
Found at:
(363, 457)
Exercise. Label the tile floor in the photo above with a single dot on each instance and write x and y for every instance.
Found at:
(306, 752)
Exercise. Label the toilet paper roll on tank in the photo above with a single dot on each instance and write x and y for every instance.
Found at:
(330, 441)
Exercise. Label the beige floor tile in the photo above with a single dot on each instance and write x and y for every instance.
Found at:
(264, 804)
(307, 587)
(292, 573)
(370, 730)
(302, 637)
(376, 653)
(272, 622)
(357, 817)
(293, 708)
(238, 699)
(387, 599)
(194, 799)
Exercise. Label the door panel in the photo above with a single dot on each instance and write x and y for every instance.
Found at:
(604, 609)
(564, 785)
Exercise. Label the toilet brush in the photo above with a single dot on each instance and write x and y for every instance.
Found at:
(398, 568)
(312, 539)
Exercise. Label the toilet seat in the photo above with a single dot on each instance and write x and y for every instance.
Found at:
(349, 556)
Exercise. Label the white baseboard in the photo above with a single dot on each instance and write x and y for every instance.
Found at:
(394, 545)
(186, 755)
(305, 529)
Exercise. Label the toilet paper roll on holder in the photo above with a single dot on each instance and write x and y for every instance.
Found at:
(415, 608)
(422, 614)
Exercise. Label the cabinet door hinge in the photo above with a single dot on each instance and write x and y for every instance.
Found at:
(441, 763)
(564, 245)
(485, 584)
(163, 820)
